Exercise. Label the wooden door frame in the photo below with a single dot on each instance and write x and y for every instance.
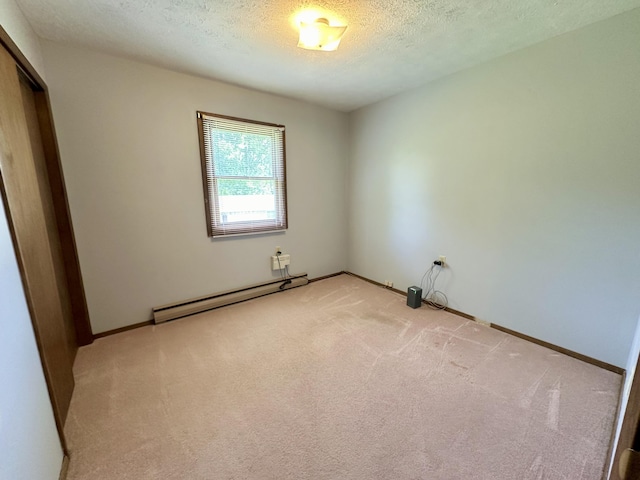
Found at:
(80, 312)
(630, 423)
(63, 227)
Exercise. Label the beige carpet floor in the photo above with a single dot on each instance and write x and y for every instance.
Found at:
(335, 380)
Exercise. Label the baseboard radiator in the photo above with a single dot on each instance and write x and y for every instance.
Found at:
(164, 313)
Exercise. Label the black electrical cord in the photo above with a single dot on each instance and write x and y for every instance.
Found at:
(280, 265)
(285, 275)
(434, 298)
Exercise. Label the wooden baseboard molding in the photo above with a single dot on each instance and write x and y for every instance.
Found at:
(571, 353)
(460, 314)
(64, 468)
(565, 351)
(377, 284)
(122, 329)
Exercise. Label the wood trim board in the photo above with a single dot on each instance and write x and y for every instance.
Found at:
(21, 60)
(64, 225)
(79, 309)
(122, 329)
(566, 351)
(35, 200)
(64, 469)
(571, 353)
(611, 454)
(26, 216)
(630, 424)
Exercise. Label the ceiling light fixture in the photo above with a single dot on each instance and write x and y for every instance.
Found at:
(319, 35)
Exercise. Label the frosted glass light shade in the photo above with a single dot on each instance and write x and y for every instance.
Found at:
(319, 35)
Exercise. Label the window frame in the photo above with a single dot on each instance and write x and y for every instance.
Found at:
(215, 228)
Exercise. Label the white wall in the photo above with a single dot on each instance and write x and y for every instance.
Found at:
(129, 145)
(524, 171)
(631, 368)
(29, 443)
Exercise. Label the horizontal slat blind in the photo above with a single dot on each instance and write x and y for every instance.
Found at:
(244, 175)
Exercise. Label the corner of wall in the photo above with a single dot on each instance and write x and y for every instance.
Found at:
(14, 22)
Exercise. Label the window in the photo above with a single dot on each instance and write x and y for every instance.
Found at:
(243, 172)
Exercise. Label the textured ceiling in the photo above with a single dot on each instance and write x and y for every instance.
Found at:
(390, 45)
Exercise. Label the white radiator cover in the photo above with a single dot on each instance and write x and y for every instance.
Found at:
(172, 311)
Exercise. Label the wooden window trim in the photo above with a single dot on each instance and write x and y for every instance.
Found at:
(241, 228)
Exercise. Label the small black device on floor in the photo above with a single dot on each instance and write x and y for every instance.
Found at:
(414, 297)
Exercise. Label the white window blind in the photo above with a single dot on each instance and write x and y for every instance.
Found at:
(244, 175)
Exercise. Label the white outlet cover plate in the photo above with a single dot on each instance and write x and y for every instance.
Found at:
(284, 260)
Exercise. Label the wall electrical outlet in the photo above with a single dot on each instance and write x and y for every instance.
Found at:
(278, 251)
(388, 283)
(443, 260)
(278, 262)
